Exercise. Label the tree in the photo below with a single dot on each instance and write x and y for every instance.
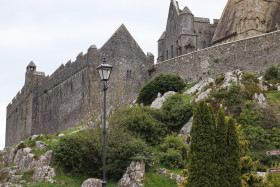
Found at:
(221, 149)
(202, 168)
(233, 166)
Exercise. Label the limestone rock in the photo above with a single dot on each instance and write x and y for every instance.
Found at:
(203, 95)
(261, 174)
(42, 170)
(199, 86)
(24, 159)
(15, 178)
(92, 183)
(8, 158)
(186, 130)
(169, 174)
(133, 175)
(8, 184)
(261, 100)
(41, 145)
(33, 137)
(60, 135)
(134, 103)
(157, 103)
(233, 76)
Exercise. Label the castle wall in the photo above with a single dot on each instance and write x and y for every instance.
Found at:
(19, 120)
(252, 54)
(73, 93)
(205, 31)
(184, 33)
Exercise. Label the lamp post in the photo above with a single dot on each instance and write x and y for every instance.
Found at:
(104, 71)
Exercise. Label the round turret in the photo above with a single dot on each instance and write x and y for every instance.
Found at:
(31, 67)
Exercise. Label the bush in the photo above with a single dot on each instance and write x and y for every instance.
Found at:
(249, 78)
(259, 127)
(219, 80)
(273, 179)
(233, 96)
(82, 153)
(140, 123)
(272, 73)
(79, 154)
(173, 152)
(177, 113)
(161, 84)
(172, 158)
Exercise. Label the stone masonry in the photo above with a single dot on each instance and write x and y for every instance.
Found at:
(184, 33)
(253, 54)
(73, 93)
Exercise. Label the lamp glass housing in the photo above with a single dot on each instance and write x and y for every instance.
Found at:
(104, 71)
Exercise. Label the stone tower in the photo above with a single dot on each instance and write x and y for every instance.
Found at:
(184, 33)
(73, 93)
(246, 18)
(30, 70)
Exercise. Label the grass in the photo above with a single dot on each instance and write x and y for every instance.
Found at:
(188, 86)
(187, 98)
(155, 180)
(70, 180)
(273, 97)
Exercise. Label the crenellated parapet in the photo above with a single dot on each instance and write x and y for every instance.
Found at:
(184, 33)
(72, 94)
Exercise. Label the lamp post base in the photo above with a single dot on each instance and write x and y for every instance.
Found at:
(104, 183)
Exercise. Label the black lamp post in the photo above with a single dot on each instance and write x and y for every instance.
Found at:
(104, 71)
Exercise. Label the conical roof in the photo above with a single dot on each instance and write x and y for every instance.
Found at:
(227, 23)
(32, 64)
(162, 36)
(186, 10)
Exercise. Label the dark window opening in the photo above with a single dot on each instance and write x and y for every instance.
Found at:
(166, 54)
(128, 74)
(172, 55)
(204, 44)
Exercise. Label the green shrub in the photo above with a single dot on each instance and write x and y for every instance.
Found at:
(273, 179)
(261, 127)
(161, 84)
(173, 152)
(249, 78)
(219, 80)
(177, 113)
(172, 158)
(272, 73)
(233, 96)
(81, 153)
(141, 123)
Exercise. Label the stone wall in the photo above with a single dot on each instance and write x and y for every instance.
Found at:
(246, 18)
(73, 93)
(252, 54)
(184, 33)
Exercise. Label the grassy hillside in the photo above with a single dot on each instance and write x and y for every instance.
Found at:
(149, 135)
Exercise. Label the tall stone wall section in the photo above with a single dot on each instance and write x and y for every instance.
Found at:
(63, 97)
(252, 54)
(73, 93)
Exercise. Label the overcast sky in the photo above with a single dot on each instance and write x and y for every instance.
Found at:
(51, 32)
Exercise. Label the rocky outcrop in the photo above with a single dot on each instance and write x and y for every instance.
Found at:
(185, 132)
(198, 88)
(41, 145)
(157, 103)
(170, 175)
(20, 160)
(261, 100)
(232, 76)
(133, 175)
(92, 183)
